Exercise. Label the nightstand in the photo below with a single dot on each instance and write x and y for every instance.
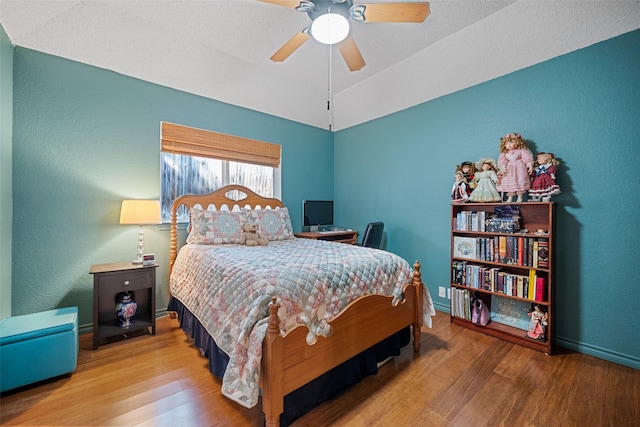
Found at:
(108, 281)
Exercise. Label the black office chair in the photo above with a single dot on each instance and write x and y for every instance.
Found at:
(373, 235)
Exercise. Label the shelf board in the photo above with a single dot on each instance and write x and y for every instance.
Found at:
(484, 291)
(509, 333)
(500, 264)
(496, 233)
(112, 328)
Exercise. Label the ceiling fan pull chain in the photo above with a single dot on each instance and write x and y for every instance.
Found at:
(329, 100)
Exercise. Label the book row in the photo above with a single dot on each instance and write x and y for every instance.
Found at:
(470, 221)
(461, 303)
(482, 221)
(532, 286)
(518, 250)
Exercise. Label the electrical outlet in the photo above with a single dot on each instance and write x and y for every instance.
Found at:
(448, 293)
(441, 291)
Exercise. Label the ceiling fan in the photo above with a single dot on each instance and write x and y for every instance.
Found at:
(330, 23)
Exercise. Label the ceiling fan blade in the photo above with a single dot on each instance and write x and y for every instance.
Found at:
(351, 54)
(290, 46)
(391, 12)
(292, 4)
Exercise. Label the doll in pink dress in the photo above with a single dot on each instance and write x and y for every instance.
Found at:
(538, 324)
(515, 166)
(543, 183)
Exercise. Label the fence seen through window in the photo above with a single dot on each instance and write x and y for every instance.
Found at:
(182, 174)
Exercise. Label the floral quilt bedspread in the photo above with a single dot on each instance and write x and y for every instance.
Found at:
(228, 288)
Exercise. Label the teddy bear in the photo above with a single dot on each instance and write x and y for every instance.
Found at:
(250, 235)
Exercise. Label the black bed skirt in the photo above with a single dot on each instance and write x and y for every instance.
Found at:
(307, 397)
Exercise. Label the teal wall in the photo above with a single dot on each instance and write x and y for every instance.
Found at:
(84, 139)
(585, 108)
(6, 129)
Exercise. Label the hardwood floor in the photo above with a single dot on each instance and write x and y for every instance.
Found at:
(461, 378)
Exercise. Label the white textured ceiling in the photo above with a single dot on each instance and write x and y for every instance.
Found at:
(220, 49)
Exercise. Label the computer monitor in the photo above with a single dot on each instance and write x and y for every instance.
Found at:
(317, 214)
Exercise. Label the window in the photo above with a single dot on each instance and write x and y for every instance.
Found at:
(195, 161)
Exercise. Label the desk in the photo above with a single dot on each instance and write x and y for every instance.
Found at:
(350, 237)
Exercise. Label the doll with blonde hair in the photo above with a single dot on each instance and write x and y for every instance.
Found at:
(515, 166)
(543, 183)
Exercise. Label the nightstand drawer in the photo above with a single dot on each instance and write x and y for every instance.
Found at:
(127, 281)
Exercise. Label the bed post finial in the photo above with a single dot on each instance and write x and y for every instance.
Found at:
(274, 320)
(417, 321)
(417, 276)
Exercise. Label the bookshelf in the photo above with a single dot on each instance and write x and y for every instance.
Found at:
(508, 263)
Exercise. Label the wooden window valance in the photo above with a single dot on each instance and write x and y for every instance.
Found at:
(178, 139)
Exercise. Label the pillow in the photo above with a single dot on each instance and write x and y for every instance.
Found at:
(215, 227)
(274, 224)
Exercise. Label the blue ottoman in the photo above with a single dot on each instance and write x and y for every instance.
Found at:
(38, 346)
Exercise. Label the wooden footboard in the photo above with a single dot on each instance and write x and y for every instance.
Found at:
(288, 362)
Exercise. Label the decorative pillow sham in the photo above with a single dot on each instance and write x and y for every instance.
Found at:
(215, 227)
(274, 224)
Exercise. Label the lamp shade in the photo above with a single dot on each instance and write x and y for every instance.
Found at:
(140, 212)
(330, 28)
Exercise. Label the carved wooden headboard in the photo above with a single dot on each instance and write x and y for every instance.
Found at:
(225, 198)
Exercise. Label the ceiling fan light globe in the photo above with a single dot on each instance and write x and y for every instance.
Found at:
(330, 28)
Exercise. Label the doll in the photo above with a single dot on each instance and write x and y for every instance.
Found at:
(543, 183)
(459, 192)
(485, 181)
(537, 324)
(515, 166)
(468, 170)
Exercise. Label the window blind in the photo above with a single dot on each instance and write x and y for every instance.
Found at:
(184, 140)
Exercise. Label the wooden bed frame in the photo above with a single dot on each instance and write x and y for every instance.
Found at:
(288, 362)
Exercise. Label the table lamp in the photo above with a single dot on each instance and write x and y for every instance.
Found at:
(140, 212)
